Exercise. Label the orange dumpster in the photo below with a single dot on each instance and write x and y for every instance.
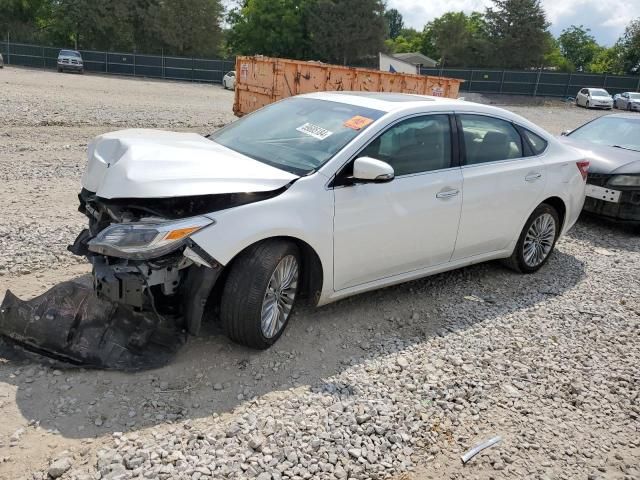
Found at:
(264, 80)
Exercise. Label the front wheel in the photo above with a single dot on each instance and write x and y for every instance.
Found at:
(537, 240)
(587, 104)
(260, 292)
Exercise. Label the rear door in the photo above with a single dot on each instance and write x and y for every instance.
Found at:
(503, 182)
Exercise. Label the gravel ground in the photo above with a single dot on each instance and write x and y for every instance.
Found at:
(390, 384)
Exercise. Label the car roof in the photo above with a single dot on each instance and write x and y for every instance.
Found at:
(384, 101)
(397, 102)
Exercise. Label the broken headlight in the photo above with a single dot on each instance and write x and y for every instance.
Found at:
(625, 181)
(145, 240)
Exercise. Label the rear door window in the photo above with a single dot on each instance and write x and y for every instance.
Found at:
(489, 139)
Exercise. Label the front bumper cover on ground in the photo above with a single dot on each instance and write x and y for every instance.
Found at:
(72, 324)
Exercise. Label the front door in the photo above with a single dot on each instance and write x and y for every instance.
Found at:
(386, 229)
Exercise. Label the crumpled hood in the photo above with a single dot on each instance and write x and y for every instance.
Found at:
(142, 163)
(605, 159)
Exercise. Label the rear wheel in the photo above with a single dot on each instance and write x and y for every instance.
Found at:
(537, 240)
(260, 293)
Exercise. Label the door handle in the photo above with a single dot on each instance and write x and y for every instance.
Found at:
(532, 177)
(447, 193)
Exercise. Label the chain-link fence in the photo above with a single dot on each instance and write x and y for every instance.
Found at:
(132, 63)
(535, 83)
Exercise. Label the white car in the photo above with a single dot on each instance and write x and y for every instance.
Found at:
(320, 196)
(229, 80)
(1, 61)
(594, 98)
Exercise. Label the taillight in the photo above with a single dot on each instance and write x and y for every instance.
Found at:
(583, 166)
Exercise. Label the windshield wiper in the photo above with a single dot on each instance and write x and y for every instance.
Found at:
(625, 148)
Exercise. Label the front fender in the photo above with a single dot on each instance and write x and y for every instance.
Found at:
(301, 212)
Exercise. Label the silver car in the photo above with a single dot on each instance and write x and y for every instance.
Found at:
(612, 145)
(594, 98)
(1, 61)
(627, 101)
(70, 60)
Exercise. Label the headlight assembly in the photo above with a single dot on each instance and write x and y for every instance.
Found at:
(145, 240)
(625, 181)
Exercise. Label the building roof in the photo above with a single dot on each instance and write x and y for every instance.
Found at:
(416, 58)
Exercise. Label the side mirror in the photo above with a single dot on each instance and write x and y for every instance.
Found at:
(566, 132)
(371, 170)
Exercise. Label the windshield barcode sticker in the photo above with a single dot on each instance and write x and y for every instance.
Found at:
(314, 131)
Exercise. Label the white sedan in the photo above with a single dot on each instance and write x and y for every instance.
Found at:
(594, 98)
(320, 196)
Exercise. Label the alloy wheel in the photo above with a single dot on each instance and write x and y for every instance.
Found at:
(279, 297)
(539, 240)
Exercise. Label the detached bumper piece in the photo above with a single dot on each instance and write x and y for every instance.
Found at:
(72, 324)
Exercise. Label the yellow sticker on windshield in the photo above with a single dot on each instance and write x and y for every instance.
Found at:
(358, 122)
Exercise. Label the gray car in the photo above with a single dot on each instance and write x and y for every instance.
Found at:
(70, 60)
(627, 101)
(612, 145)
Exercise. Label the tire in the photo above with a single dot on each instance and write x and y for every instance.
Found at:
(587, 104)
(518, 260)
(244, 297)
(628, 107)
(59, 70)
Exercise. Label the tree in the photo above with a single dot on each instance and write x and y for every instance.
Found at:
(630, 47)
(395, 23)
(24, 19)
(347, 31)
(187, 27)
(554, 59)
(578, 46)
(408, 40)
(270, 27)
(608, 60)
(458, 39)
(518, 30)
(89, 24)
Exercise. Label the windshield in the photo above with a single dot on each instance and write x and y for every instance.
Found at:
(612, 131)
(599, 93)
(69, 53)
(297, 134)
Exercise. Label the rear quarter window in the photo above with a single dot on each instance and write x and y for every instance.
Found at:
(537, 143)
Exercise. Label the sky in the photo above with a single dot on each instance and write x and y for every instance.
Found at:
(607, 19)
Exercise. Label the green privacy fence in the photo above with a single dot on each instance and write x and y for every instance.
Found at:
(131, 63)
(535, 83)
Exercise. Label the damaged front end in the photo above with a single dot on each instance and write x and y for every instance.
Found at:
(150, 287)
